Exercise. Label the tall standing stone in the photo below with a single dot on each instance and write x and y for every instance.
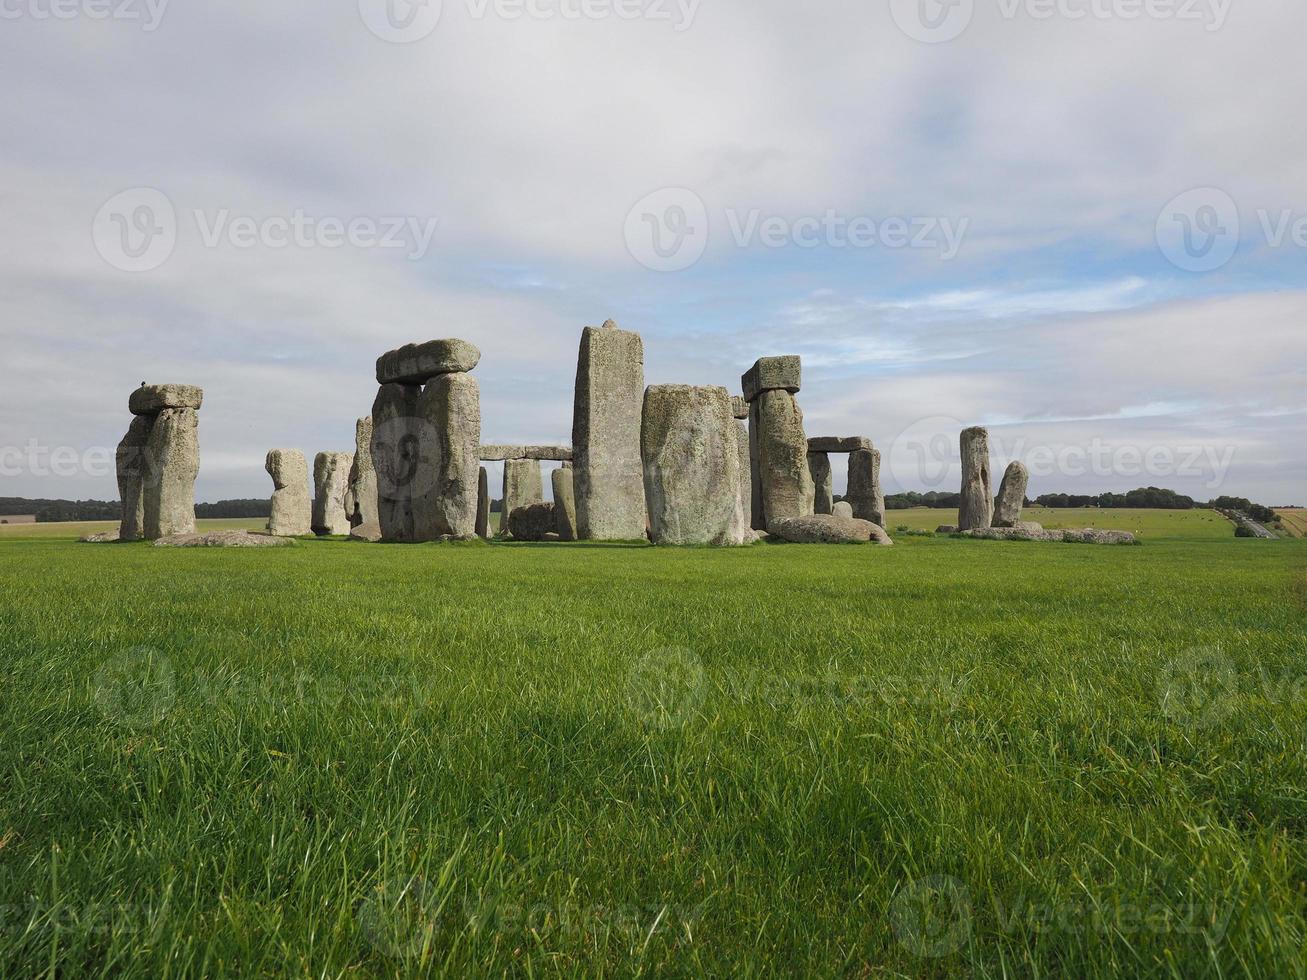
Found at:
(863, 493)
(449, 462)
(1011, 495)
(877, 492)
(778, 447)
(330, 483)
(691, 467)
(483, 503)
(746, 468)
(395, 427)
(522, 488)
(564, 503)
(822, 484)
(291, 513)
(608, 479)
(361, 498)
(976, 508)
(173, 451)
(134, 469)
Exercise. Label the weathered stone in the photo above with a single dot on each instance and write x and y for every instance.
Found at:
(395, 429)
(330, 481)
(864, 494)
(609, 479)
(691, 467)
(564, 504)
(822, 484)
(1011, 495)
(976, 509)
(153, 399)
(222, 539)
(827, 529)
(522, 487)
(772, 374)
(292, 510)
(498, 451)
(532, 522)
(838, 444)
(746, 468)
(173, 453)
(557, 454)
(448, 465)
(1029, 525)
(361, 495)
(493, 452)
(483, 504)
(947, 529)
(739, 407)
(842, 508)
(367, 531)
(416, 364)
(101, 537)
(1087, 535)
(781, 452)
(134, 468)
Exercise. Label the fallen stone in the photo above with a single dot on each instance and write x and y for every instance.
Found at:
(772, 374)
(368, 531)
(947, 529)
(522, 488)
(153, 399)
(330, 481)
(780, 450)
(416, 364)
(976, 508)
(842, 508)
(823, 485)
(606, 418)
(173, 450)
(222, 539)
(1011, 496)
(134, 467)
(690, 451)
(532, 522)
(292, 510)
(564, 504)
(1074, 536)
(449, 410)
(395, 430)
(838, 444)
(1029, 525)
(827, 529)
(102, 537)
(361, 495)
(483, 504)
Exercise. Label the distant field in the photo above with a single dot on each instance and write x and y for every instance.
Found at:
(76, 529)
(945, 758)
(1294, 521)
(1146, 524)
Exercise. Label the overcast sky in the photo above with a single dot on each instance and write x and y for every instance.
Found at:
(1082, 223)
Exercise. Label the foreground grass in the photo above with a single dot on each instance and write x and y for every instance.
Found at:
(338, 759)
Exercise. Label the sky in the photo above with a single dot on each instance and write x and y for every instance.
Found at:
(1081, 223)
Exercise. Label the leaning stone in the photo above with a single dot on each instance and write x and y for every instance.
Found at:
(609, 478)
(780, 451)
(864, 493)
(691, 467)
(739, 407)
(1011, 496)
(153, 399)
(532, 522)
(173, 451)
(483, 504)
(772, 374)
(292, 510)
(361, 496)
(416, 364)
(134, 468)
(222, 539)
(557, 454)
(564, 504)
(842, 508)
(976, 509)
(522, 487)
(838, 444)
(822, 484)
(330, 481)
(449, 410)
(827, 529)
(395, 429)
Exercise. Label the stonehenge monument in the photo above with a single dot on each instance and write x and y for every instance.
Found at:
(361, 498)
(608, 477)
(158, 460)
(330, 484)
(863, 492)
(778, 448)
(976, 508)
(1011, 495)
(690, 457)
(292, 510)
(564, 503)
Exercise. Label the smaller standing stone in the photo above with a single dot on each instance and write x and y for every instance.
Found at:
(483, 504)
(822, 483)
(1011, 495)
(522, 487)
(330, 482)
(361, 501)
(842, 508)
(291, 513)
(564, 504)
(864, 493)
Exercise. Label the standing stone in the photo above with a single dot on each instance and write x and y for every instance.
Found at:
(449, 440)
(842, 508)
(134, 469)
(822, 484)
(691, 467)
(361, 497)
(483, 504)
(395, 428)
(564, 503)
(522, 488)
(291, 507)
(1011, 495)
(976, 509)
(746, 464)
(173, 454)
(609, 480)
(330, 483)
(782, 456)
(864, 480)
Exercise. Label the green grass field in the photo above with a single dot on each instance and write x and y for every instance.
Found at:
(945, 758)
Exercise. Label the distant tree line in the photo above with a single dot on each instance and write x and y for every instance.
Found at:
(257, 507)
(1263, 515)
(49, 511)
(1148, 498)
